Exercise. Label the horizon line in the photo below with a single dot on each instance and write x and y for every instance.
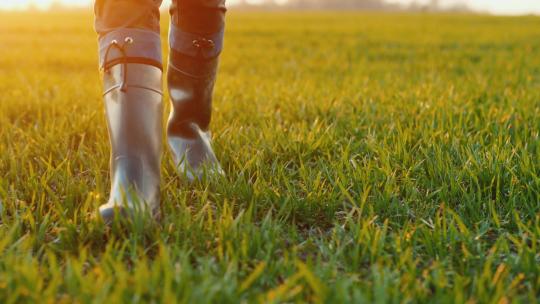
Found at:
(258, 7)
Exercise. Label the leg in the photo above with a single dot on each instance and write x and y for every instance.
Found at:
(130, 56)
(199, 16)
(196, 40)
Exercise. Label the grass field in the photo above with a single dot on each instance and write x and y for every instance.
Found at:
(369, 157)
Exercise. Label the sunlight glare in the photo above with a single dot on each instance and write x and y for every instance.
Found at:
(39, 4)
(492, 6)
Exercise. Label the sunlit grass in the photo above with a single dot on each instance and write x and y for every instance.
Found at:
(376, 158)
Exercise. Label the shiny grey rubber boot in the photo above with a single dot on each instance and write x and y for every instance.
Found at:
(134, 107)
(191, 84)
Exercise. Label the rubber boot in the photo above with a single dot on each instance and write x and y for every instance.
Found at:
(133, 102)
(191, 78)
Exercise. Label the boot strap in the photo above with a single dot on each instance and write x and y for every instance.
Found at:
(202, 46)
(125, 76)
(130, 45)
(191, 71)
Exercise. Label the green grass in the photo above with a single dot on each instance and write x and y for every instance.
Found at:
(369, 157)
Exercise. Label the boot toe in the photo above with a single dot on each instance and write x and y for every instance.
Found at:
(206, 169)
(195, 157)
(108, 213)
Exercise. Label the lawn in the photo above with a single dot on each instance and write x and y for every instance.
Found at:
(370, 158)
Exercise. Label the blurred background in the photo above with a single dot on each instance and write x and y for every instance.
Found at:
(499, 7)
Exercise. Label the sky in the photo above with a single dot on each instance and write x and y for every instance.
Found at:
(510, 7)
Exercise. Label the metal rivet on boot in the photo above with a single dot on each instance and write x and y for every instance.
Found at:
(203, 43)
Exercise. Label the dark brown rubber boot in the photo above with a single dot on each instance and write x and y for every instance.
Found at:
(191, 85)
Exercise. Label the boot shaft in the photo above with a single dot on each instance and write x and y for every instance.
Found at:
(193, 64)
(134, 110)
(191, 93)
